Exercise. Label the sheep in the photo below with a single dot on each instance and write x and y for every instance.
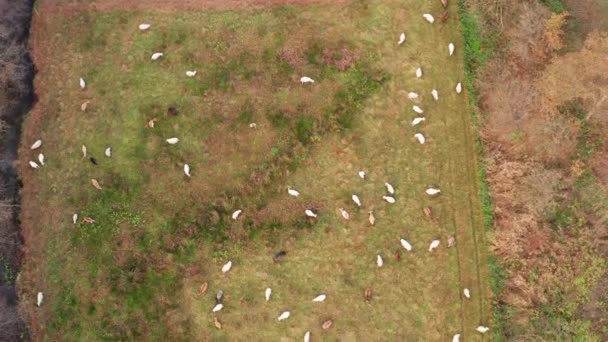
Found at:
(187, 170)
(411, 95)
(88, 220)
(401, 38)
(39, 299)
(284, 315)
(41, 159)
(84, 151)
(379, 261)
(445, 16)
(389, 188)
(444, 3)
(235, 215)
(34, 165)
(406, 245)
(421, 139)
(435, 94)
(417, 109)
(432, 191)
(279, 256)
(219, 297)
(362, 174)
(93, 160)
(190, 73)
(459, 88)
(83, 84)
(253, 125)
(293, 192)
(306, 79)
(429, 18)
(372, 218)
(467, 293)
(84, 106)
(344, 213)
(156, 56)
(428, 212)
(434, 244)
(356, 200)
(151, 122)
(267, 293)
(368, 294)
(173, 141)
(36, 144)
(203, 288)
(327, 324)
(74, 218)
(482, 329)
(144, 27)
(389, 199)
(310, 213)
(456, 338)
(451, 241)
(451, 48)
(108, 152)
(217, 323)
(217, 307)
(319, 298)
(419, 72)
(307, 336)
(95, 184)
(227, 266)
(418, 120)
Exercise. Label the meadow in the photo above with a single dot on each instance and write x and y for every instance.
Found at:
(158, 235)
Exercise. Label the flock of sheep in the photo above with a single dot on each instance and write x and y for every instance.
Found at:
(310, 212)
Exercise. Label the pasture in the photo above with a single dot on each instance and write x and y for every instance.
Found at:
(158, 235)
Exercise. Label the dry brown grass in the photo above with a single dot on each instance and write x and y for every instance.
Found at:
(554, 31)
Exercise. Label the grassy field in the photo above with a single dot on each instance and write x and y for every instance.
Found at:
(135, 273)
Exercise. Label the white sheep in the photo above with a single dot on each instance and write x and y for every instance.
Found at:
(482, 329)
(467, 293)
(108, 152)
(435, 94)
(267, 293)
(389, 188)
(84, 151)
(379, 261)
(34, 165)
(83, 84)
(284, 315)
(389, 199)
(434, 244)
(310, 213)
(144, 27)
(36, 144)
(451, 48)
(293, 192)
(401, 38)
(190, 73)
(356, 200)
(362, 174)
(419, 72)
(41, 158)
(227, 266)
(173, 141)
(432, 191)
(39, 299)
(74, 218)
(411, 95)
(157, 56)
(218, 307)
(406, 245)
(372, 218)
(421, 139)
(187, 170)
(236, 214)
(418, 120)
(429, 18)
(456, 338)
(306, 79)
(307, 336)
(253, 125)
(344, 213)
(417, 109)
(459, 88)
(319, 298)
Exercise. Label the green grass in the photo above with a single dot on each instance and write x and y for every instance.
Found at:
(135, 273)
(556, 6)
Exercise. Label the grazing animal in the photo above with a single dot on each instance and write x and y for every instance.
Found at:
(434, 244)
(84, 106)
(389, 188)
(459, 88)
(217, 307)
(253, 125)
(421, 139)
(173, 141)
(406, 245)
(319, 298)
(411, 95)
(187, 170)
(419, 72)
(307, 336)
(429, 18)
(372, 218)
(88, 220)
(397, 255)
(203, 288)
(344, 214)
(482, 329)
(283, 316)
(39, 299)
(379, 261)
(327, 324)
(306, 79)
(36, 144)
(389, 199)
(74, 218)
(451, 48)
(293, 192)
(418, 120)
(34, 165)
(356, 200)
(445, 16)
(428, 212)
(310, 213)
(84, 151)
(219, 297)
(150, 123)
(235, 215)
(172, 111)
(435, 94)
(108, 152)
(368, 294)
(156, 56)
(362, 174)
(95, 184)
(451, 241)
(190, 73)
(267, 293)
(467, 293)
(279, 256)
(217, 323)
(93, 160)
(444, 3)
(456, 338)
(144, 27)
(227, 266)
(417, 109)
(432, 191)
(83, 84)
(401, 38)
